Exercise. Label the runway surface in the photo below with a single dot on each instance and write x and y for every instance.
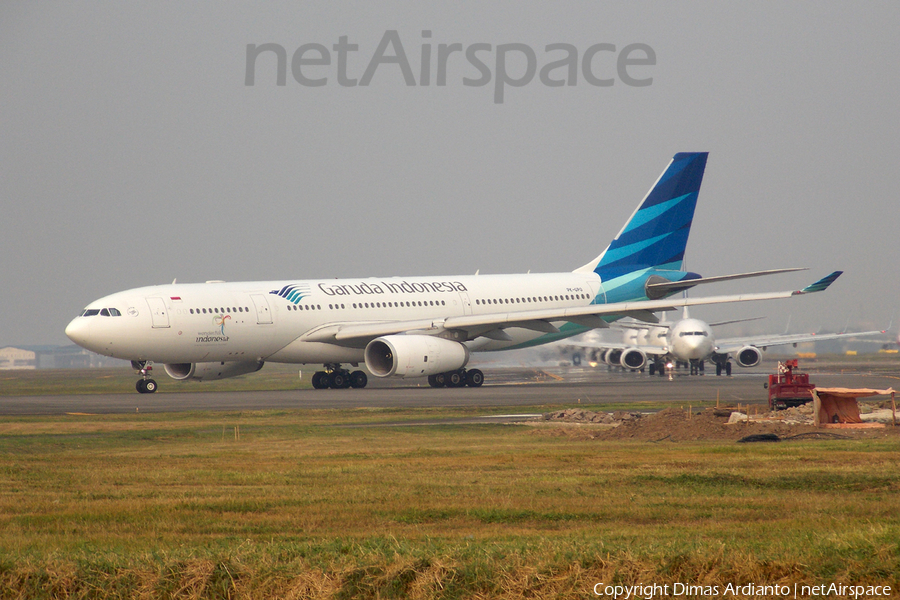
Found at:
(504, 387)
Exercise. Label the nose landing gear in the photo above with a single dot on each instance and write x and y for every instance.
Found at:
(145, 385)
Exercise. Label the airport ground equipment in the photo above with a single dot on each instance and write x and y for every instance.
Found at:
(787, 388)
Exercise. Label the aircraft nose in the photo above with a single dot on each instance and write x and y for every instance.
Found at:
(697, 347)
(78, 330)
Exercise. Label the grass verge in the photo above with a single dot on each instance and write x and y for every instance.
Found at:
(296, 504)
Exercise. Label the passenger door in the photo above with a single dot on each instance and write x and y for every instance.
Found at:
(263, 313)
(158, 312)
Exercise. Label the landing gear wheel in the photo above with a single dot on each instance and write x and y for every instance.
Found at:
(145, 386)
(440, 380)
(474, 378)
(320, 380)
(358, 379)
(455, 379)
(340, 380)
(728, 369)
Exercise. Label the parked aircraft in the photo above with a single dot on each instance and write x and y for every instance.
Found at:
(692, 341)
(409, 326)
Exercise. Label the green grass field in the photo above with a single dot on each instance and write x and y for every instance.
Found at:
(348, 504)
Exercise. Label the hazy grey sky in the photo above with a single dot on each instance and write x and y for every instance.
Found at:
(132, 152)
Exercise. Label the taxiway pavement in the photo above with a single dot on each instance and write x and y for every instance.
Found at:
(506, 387)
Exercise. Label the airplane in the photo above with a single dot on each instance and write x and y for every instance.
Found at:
(410, 326)
(692, 341)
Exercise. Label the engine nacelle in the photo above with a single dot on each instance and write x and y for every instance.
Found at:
(612, 357)
(748, 356)
(632, 358)
(208, 371)
(414, 356)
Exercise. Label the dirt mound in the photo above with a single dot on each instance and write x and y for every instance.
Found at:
(677, 425)
(681, 425)
(577, 415)
(671, 424)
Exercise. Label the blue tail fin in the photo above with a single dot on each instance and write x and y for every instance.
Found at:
(657, 233)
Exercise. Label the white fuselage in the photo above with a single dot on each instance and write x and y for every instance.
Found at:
(244, 321)
(649, 336)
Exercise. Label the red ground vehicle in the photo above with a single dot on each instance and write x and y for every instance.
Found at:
(788, 388)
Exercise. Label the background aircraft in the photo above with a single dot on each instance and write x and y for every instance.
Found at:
(691, 341)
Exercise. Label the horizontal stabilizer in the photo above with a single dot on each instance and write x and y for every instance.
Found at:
(660, 288)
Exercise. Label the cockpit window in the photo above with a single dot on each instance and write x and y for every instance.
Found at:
(103, 312)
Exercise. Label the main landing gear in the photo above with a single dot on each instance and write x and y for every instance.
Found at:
(337, 378)
(458, 378)
(145, 385)
(658, 368)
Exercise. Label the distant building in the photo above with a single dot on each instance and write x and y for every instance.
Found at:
(54, 357)
(17, 358)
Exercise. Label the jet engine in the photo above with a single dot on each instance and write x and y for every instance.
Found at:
(612, 357)
(208, 371)
(748, 356)
(414, 356)
(632, 358)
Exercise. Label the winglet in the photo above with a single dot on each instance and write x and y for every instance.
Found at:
(821, 284)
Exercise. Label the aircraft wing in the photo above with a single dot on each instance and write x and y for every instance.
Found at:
(642, 325)
(491, 325)
(646, 349)
(764, 341)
